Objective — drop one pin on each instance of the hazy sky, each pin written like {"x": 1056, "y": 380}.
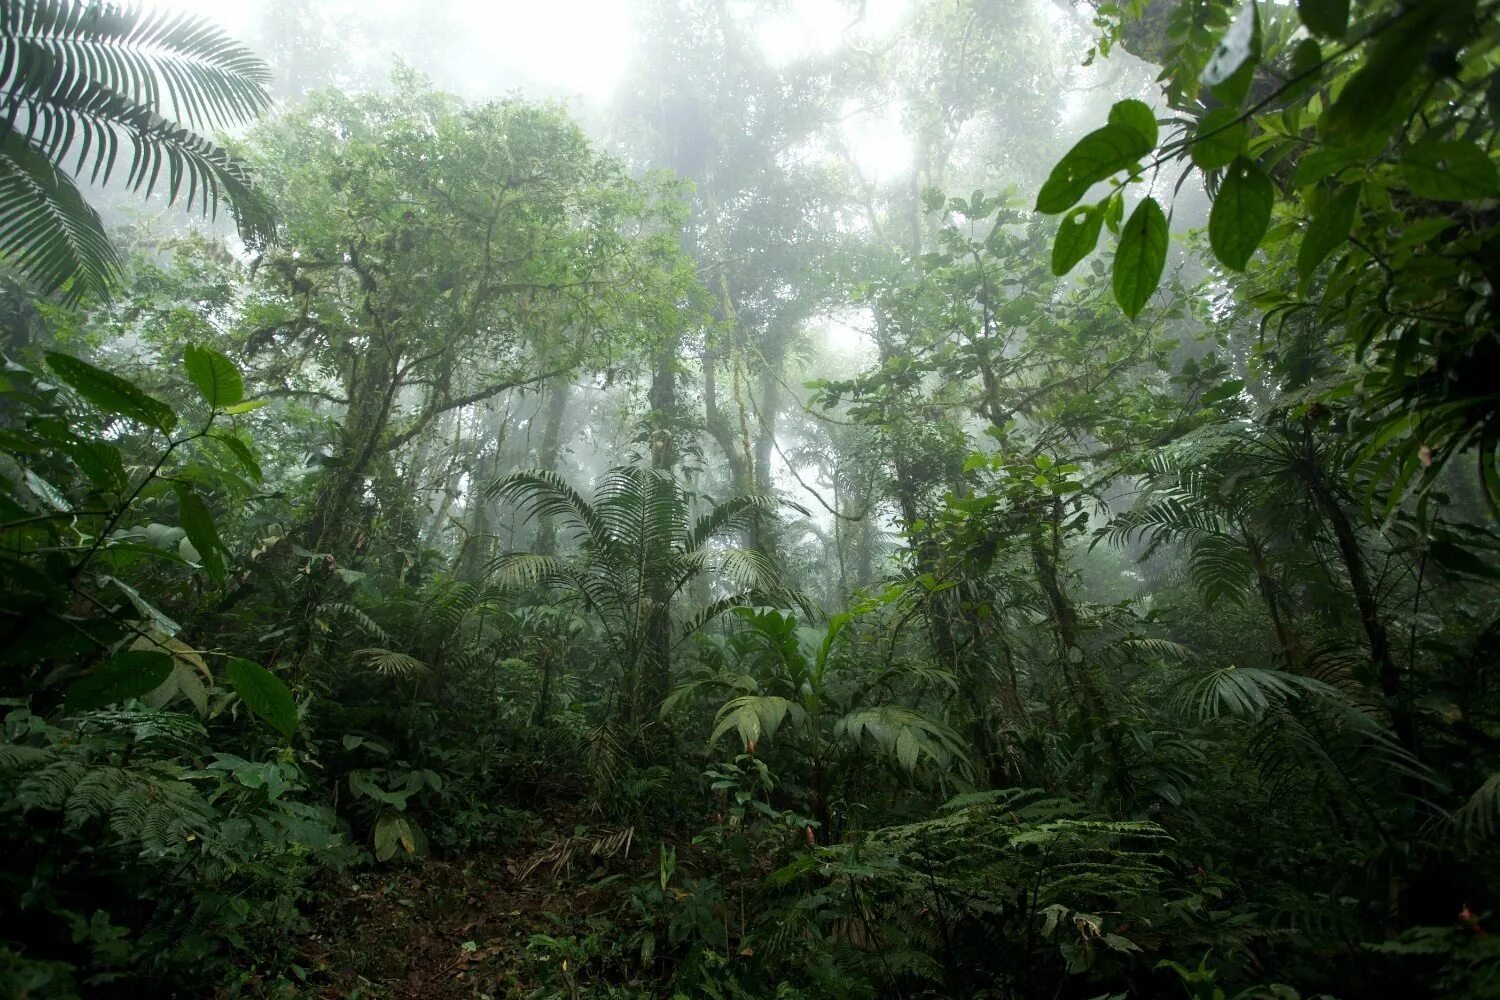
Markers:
{"x": 582, "y": 46}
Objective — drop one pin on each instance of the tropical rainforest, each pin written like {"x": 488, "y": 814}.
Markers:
{"x": 750, "y": 498}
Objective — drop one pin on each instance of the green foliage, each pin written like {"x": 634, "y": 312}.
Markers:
{"x": 81, "y": 81}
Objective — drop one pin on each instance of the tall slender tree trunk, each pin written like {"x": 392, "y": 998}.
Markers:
{"x": 548, "y": 452}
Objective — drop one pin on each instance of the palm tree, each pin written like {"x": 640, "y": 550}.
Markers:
{"x": 638, "y": 550}
{"x": 79, "y": 81}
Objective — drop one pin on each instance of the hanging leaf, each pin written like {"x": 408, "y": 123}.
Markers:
{"x": 1136, "y": 115}
{"x": 1236, "y": 47}
{"x": 1449, "y": 171}
{"x": 217, "y": 378}
{"x": 1077, "y": 236}
{"x": 198, "y": 522}
{"x": 143, "y": 607}
{"x": 1220, "y": 138}
{"x": 241, "y": 453}
{"x": 1241, "y": 213}
{"x": 1141, "y": 256}
{"x": 111, "y": 393}
{"x": 1326, "y": 233}
{"x": 1096, "y": 157}
{"x": 263, "y": 693}
{"x": 1307, "y": 64}
{"x": 130, "y": 674}
{"x": 1329, "y": 18}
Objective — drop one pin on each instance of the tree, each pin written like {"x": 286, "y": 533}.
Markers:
{"x": 80, "y": 81}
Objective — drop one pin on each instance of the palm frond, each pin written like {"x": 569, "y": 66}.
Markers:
{"x": 543, "y": 493}
{"x": 1245, "y": 693}
{"x": 1480, "y": 815}
{"x": 47, "y": 230}
{"x": 390, "y": 663}
{"x": 908, "y": 736}
{"x": 181, "y": 64}
{"x": 735, "y": 514}
{"x": 88, "y": 79}
{"x": 755, "y": 716}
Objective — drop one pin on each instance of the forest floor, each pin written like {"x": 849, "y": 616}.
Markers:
{"x": 461, "y": 928}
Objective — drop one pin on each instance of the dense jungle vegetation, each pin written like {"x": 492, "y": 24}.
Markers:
{"x": 946, "y": 498}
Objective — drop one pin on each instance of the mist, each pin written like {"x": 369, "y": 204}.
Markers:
{"x": 749, "y": 498}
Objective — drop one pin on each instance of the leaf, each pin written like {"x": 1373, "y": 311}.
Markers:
{"x": 1329, "y": 18}
{"x": 1237, "y": 46}
{"x": 1137, "y": 115}
{"x": 386, "y": 835}
{"x": 198, "y": 522}
{"x": 1241, "y": 213}
{"x": 217, "y": 378}
{"x": 1220, "y": 138}
{"x": 129, "y": 674}
{"x": 1141, "y": 256}
{"x": 247, "y": 406}
{"x": 1449, "y": 171}
{"x": 263, "y": 693}
{"x": 1307, "y": 63}
{"x": 1326, "y": 233}
{"x": 1077, "y": 235}
{"x": 1370, "y": 103}
{"x": 143, "y": 607}
{"x": 111, "y": 393}
{"x": 242, "y": 454}
{"x": 183, "y": 680}
{"x": 1095, "y": 157}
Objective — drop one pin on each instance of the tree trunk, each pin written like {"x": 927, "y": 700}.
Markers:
{"x": 548, "y": 453}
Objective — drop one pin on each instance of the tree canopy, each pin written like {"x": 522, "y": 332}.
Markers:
{"x": 944, "y": 499}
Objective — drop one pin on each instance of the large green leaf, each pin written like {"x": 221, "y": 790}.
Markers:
{"x": 198, "y": 522}
{"x": 1137, "y": 115}
{"x": 1220, "y": 137}
{"x": 1097, "y": 156}
{"x": 263, "y": 693}
{"x": 1141, "y": 257}
{"x": 1077, "y": 236}
{"x": 1241, "y": 213}
{"x": 1327, "y": 232}
{"x": 1450, "y": 171}
{"x": 129, "y": 674}
{"x": 217, "y": 378}
{"x": 111, "y": 393}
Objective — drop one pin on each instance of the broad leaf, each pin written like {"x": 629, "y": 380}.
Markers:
{"x": 1236, "y": 47}
{"x": 217, "y": 378}
{"x": 1241, "y": 213}
{"x": 1096, "y": 157}
{"x": 1326, "y": 233}
{"x": 1450, "y": 171}
{"x": 111, "y": 393}
{"x": 1136, "y": 115}
{"x": 1077, "y": 236}
{"x": 198, "y": 522}
{"x": 263, "y": 693}
{"x": 129, "y": 674}
{"x": 1220, "y": 138}
{"x": 1141, "y": 256}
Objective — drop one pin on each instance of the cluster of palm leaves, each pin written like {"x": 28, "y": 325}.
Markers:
{"x": 639, "y": 549}
{"x": 82, "y": 82}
